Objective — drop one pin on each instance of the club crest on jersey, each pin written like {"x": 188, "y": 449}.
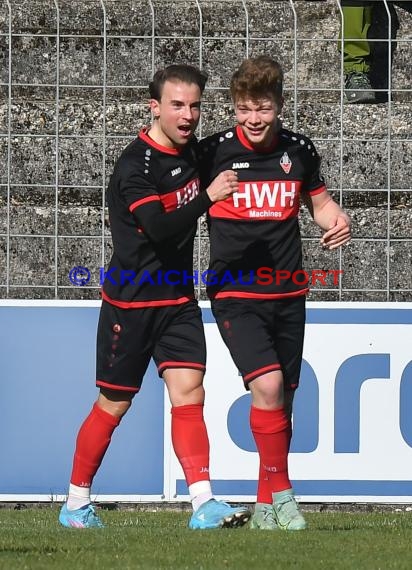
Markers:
{"x": 285, "y": 163}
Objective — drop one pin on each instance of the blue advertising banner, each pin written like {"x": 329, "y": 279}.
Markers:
{"x": 47, "y": 388}
{"x": 352, "y": 423}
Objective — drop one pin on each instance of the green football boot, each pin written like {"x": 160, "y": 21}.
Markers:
{"x": 263, "y": 518}
{"x": 286, "y": 511}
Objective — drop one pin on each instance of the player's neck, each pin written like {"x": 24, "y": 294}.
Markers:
{"x": 159, "y": 137}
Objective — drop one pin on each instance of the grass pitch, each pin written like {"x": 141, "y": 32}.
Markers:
{"x": 32, "y": 539}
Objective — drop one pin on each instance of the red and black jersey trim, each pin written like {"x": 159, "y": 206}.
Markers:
{"x": 171, "y": 364}
{"x": 253, "y": 295}
{"x": 260, "y": 371}
{"x": 154, "y": 198}
{"x": 243, "y": 140}
{"x": 146, "y": 304}
{"x": 148, "y": 140}
{"x": 103, "y": 384}
{"x": 316, "y": 191}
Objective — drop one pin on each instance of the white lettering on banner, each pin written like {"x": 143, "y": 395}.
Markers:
{"x": 187, "y": 193}
{"x": 265, "y": 194}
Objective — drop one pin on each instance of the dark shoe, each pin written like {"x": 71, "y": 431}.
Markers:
{"x": 358, "y": 89}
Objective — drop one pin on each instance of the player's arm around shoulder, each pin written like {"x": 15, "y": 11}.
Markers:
{"x": 331, "y": 218}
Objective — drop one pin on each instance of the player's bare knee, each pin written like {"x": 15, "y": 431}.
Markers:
{"x": 186, "y": 395}
{"x": 267, "y": 391}
{"x": 185, "y": 386}
{"x": 115, "y": 402}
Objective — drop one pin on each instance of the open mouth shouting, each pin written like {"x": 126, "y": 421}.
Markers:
{"x": 185, "y": 131}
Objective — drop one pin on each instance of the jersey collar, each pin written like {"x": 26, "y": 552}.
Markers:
{"x": 148, "y": 140}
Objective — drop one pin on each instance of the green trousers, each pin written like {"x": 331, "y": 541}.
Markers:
{"x": 356, "y": 48}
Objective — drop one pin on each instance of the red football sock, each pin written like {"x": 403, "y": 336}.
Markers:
{"x": 264, "y": 489}
{"x": 92, "y": 442}
{"x": 271, "y": 430}
{"x": 191, "y": 442}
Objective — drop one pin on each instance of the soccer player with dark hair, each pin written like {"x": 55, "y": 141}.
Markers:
{"x": 154, "y": 202}
{"x": 254, "y": 235}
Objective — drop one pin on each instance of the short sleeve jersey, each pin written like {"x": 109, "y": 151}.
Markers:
{"x": 255, "y": 244}
{"x": 137, "y": 274}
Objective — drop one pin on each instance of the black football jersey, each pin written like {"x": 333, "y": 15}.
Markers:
{"x": 255, "y": 244}
{"x": 143, "y": 273}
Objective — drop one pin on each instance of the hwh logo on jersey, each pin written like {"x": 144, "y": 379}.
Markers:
{"x": 187, "y": 193}
{"x": 265, "y": 195}
{"x": 176, "y": 171}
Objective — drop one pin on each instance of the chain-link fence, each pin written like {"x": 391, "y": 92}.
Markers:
{"x": 73, "y": 93}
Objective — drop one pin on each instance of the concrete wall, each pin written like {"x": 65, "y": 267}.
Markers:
{"x": 78, "y": 94}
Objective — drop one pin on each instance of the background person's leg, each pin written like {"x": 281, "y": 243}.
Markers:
{"x": 379, "y": 70}
{"x": 356, "y": 57}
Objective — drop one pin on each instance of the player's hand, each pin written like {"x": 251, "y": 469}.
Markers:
{"x": 338, "y": 234}
{"x": 223, "y": 186}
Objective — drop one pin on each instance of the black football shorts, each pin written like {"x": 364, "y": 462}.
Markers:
{"x": 128, "y": 338}
{"x": 263, "y": 335}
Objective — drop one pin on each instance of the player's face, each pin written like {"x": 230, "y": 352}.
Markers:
{"x": 177, "y": 113}
{"x": 258, "y": 119}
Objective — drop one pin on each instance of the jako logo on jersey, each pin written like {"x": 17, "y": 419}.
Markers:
{"x": 176, "y": 171}
{"x": 265, "y": 194}
{"x": 187, "y": 193}
{"x": 238, "y": 165}
{"x": 285, "y": 163}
